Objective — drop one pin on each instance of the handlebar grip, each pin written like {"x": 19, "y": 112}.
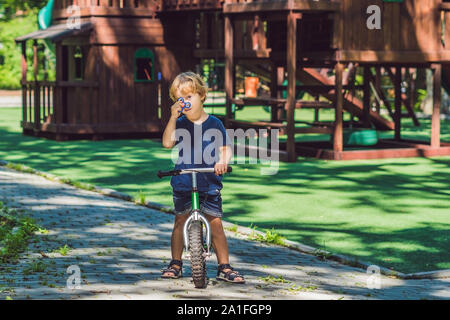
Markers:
{"x": 229, "y": 169}
{"x": 167, "y": 173}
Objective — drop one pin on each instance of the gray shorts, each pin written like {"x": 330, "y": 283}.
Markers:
{"x": 210, "y": 203}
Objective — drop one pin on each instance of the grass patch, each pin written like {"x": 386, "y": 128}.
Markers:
{"x": 15, "y": 233}
{"x": 63, "y": 250}
{"x": 273, "y": 280}
{"x": 35, "y": 267}
{"x": 296, "y": 288}
{"x": 232, "y": 228}
{"x": 140, "y": 199}
{"x": 269, "y": 237}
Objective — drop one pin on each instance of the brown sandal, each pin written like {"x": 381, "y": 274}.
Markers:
{"x": 228, "y": 276}
{"x": 177, "y": 273}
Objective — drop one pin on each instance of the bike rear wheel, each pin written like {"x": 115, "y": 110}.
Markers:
{"x": 197, "y": 253}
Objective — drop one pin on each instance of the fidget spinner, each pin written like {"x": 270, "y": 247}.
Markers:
{"x": 187, "y": 105}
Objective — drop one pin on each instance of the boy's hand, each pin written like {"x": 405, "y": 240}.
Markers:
{"x": 176, "y": 109}
{"x": 220, "y": 168}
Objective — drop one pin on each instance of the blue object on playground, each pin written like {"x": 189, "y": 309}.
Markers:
{"x": 360, "y": 137}
{"x": 187, "y": 105}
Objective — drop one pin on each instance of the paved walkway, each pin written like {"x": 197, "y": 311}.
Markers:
{"x": 120, "y": 247}
{"x": 10, "y": 98}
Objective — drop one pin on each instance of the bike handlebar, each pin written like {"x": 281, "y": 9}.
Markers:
{"x": 185, "y": 171}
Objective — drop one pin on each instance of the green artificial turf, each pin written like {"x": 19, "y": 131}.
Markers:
{"x": 390, "y": 212}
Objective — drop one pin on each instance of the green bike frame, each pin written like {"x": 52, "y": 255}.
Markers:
{"x": 196, "y": 216}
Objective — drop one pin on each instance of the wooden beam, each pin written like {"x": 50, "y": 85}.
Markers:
{"x": 291, "y": 59}
{"x": 398, "y": 102}
{"x": 377, "y": 84}
{"x": 229, "y": 67}
{"x": 389, "y": 149}
{"x": 435, "y": 119}
{"x": 24, "y": 61}
{"x": 58, "y": 93}
{"x": 321, "y": 130}
{"x": 274, "y": 91}
{"x": 24, "y": 80}
{"x": 366, "y": 97}
{"x": 338, "y": 144}
{"x": 258, "y": 124}
{"x": 281, "y": 113}
{"x": 383, "y": 57}
{"x": 37, "y": 94}
{"x": 286, "y": 5}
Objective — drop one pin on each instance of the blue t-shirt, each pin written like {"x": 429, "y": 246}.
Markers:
{"x": 198, "y": 147}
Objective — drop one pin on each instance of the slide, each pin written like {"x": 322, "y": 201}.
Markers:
{"x": 310, "y": 76}
{"x": 45, "y": 21}
{"x": 45, "y": 15}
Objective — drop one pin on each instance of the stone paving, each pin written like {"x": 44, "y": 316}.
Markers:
{"x": 120, "y": 248}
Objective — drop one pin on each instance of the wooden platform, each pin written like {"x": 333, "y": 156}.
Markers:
{"x": 386, "y": 148}
{"x": 237, "y": 7}
{"x": 81, "y": 129}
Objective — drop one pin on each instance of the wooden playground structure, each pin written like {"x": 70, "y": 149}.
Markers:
{"x": 113, "y": 72}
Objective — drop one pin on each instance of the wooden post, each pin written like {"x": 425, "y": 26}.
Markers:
{"x": 203, "y": 31}
{"x": 24, "y": 80}
{"x": 57, "y": 91}
{"x": 37, "y": 90}
{"x": 280, "y": 79}
{"x": 229, "y": 67}
{"x": 35, "y": 60}
{"x": 291, "y": 71}
{"x": 366, "y": 102}
{"x": 398, "y": 102}
{"x": 378, "y": 85}
{"x": 316, "y": 110}
{"x": 339, "y": 105}
{"x": 436, "y": 117}
{"x": 412, "y": 93}
{"x": 256, "y": 33}
{"x": 274, "y": 92}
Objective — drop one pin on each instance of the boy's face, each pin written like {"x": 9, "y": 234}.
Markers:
{"x": 196, "y": 109}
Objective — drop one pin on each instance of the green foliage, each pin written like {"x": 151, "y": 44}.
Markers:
{"x": 14, "y": 234}
{"x": 20, "y": 167}
{"x": 270, "y": 237}
{"x": 140, "y": 198}
{"x": 34, "y": 267}
{"x": 63, "y": 250}
{"x": 232, "y": 228}
{"x": 273, "y": 280}
{"x": 295, "y": 288}
{"x": 9, "y": 8}
{"x": 11, "y": 54}
{"x": 421, "y": 95}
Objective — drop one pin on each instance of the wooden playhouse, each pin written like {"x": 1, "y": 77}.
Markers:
{"x": 113, "y": 72}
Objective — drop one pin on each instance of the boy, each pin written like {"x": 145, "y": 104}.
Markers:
{"x": 195, "y": 120}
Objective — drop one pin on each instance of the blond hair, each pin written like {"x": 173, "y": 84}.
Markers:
{"x": 188, "y": 82}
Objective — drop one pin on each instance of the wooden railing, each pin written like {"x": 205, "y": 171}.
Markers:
{"x": 43, "y": 100}
{"x": 87, "y": 8}
{"x": 174, "y": 5}
{"x": 38, "y": 102}
{"x": 63, "y": 4}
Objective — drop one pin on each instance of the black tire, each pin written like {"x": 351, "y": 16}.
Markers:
{"x": 196, "y": 250}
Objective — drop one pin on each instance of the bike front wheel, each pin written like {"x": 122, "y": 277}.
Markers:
{"x": 197, "y": 253}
